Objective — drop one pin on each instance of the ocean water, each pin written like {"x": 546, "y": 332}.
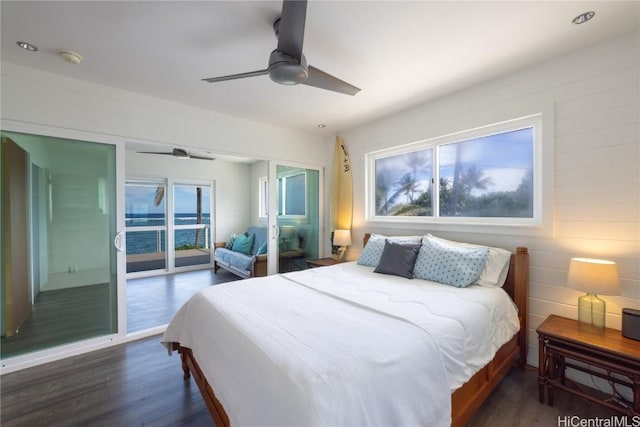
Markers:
{"x": 142, "y": 242}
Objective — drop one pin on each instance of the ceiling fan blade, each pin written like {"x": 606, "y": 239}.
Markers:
{"x": 193, "y": 156}
{"x": 291, "y": 27}
{"x": 237, "y": 76}
{"x": 318, "y": 78}
{"x": 155, "y": 152}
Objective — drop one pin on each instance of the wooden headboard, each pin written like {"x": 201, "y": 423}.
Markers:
{"x": 517, "y": 286}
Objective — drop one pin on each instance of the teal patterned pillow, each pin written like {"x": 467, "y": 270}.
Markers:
{"x": 230, "y": 241}
{"x": 456, "y": 266}
{"x": 370, "y": 255}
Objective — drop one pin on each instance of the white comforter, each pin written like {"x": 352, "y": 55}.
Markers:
{"x": 341, "y": 346}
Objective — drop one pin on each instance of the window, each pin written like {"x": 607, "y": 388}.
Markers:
{"x": 403, "y": 184}
{"x": 292, "y": 194}
{"x": 263, "y": 197}
{"x": 484, "y": 176}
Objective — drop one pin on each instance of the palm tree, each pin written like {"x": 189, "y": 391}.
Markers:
{"x": 159, "y": 196}
{"x": 157, "y": 199}
{"x": 198, "y": 213}
{"x": 382, "y": 189}
{"x": 408, "y": 186}
{"x": 473, "y": 179}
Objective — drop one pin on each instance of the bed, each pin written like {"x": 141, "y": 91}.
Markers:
{"x": 283, "y": 355}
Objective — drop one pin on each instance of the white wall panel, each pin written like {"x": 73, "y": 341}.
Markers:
{"x": 596, "y": 166}
{"x": 33, "y": 96}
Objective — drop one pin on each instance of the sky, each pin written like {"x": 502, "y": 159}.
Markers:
{"x": 139, "y": 199}
{"x": 505, "y": 158}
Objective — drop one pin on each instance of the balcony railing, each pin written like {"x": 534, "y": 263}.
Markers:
{"x": 147, "y": 251}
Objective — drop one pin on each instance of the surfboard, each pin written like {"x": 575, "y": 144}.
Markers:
{"x": 341, "y": 190}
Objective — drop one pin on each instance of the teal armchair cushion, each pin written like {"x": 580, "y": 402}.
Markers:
{"x": 243, "y": 244}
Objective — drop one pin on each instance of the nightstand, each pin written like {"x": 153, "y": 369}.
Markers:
{"x": 322, "y": 262}
{"x": 603, "y": 353}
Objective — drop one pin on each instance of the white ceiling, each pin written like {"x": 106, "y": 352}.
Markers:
{"x": 399, "y": 53}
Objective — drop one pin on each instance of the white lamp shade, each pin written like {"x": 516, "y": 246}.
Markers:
{"x": 287, "y": 231}
{"x": 342, "y": 238}
{"x": 594, "y": 276}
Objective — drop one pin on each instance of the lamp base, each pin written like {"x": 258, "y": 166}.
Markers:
{"x": 339, "y": 255}
{"x": 592, "y": 310}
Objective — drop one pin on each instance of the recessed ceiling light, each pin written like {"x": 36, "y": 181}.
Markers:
{"x": 322, "y": 125}
{"x": 583, "y": 17}
{"x": 27, "y": 46}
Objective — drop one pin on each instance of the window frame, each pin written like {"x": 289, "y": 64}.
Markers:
{"x": 263, "y": 197}
{"x": 282, "y": 198}
{"x": 540, "y": 223}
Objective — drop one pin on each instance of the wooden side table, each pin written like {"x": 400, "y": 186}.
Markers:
{"x": 322, "y": 262}
{"x": 604, "y": 353}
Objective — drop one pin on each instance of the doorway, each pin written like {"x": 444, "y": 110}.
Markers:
{"x": 295, "y": 230}
{"x": 69, "y": 273}
{"x": 169, "y": 237}
{"x": 168, "y": 231}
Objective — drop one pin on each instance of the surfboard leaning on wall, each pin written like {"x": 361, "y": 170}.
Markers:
{"x": 341, "y": 190}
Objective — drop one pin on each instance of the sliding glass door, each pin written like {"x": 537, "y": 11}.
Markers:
{"x": 294, "y": 220}
{"x": 192, "y": 224}
{"x": 60, "y": 265}
{"x": 146, "y": 226}
{"x": 158, "y": 246}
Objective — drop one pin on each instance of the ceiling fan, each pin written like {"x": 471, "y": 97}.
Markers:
{"x": 287, "y": 64}
{"x": 179, "y": 153}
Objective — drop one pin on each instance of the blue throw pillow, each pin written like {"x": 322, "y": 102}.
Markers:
{"x": 262, "y": 249}
{"x": 370, "y": 255}
{"x": 456, "y": 266}
{"x": 243, "y": 244}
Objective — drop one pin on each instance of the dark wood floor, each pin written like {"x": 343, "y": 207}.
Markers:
{"x": 139, "y": 384}
{"x": 67, "y": 315}
{"x": 152, "y": 301}
{"x": 63, "y": 316}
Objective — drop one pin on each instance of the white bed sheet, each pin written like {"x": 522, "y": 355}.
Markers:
{"x": 341, "y": 345}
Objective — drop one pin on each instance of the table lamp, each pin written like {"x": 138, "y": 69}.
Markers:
{"x": 287, "y": 235}
{"x": 342, "y": 239}
{"x": 594, "y": 276}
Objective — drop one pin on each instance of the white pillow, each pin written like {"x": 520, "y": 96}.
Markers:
{"x": 495, "y": 272}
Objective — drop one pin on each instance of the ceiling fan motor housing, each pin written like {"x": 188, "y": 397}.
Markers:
{"x": 287, "y": 64}
{"x": 286, "y": 70}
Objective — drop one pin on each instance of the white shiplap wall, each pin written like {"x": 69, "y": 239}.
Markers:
{"x": 594, "y": 94}
{"x": 36, "y": 97}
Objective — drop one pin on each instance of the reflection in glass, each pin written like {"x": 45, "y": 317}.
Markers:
{"x": 403, "y": 184}
{"x": 491, "y": 176}
{"x": 298, "y": 216}
{"x": 64, "y": 288}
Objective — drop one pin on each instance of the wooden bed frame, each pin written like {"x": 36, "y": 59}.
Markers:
{"x": 467, "y": 399}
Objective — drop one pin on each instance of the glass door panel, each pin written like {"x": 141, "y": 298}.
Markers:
{"x": 146, "y": 226}
{"x": 68, "y": 216}
{"x": 298, "y": 216}
{"x": 192, "y": 224}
